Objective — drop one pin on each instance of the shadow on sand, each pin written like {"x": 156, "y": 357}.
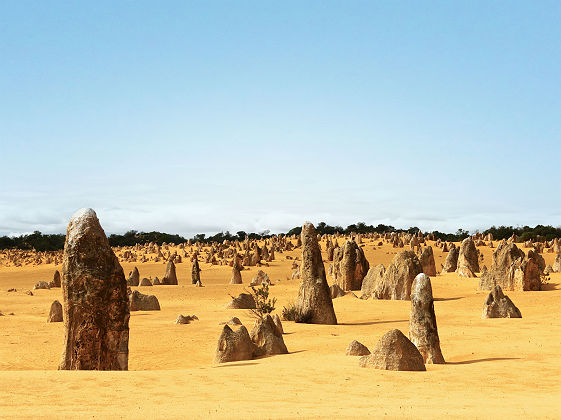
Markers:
{"x": 446, "y": 299}
{"x": 372, "y": 322}
{"x": 235, "y": 364}
{"x": 550, "y": 286}
{"x": 489, "y": 359}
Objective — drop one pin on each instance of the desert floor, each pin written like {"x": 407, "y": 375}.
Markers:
{"x": 496, "y": 368}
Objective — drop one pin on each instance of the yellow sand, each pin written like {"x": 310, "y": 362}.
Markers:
{"x": 497, "y": 368}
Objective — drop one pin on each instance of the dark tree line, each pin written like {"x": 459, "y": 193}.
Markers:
{"x": 52, "y": 242}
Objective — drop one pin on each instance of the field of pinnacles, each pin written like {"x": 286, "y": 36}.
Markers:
{"x": 480, "y": 359}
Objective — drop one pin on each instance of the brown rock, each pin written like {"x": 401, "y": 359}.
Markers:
{"x": 427, "y": 261}
{"x": 236, "y": 271}
{"x": 186, "y": 319}
{"x": 422, "y": 324}
{"x": 134, "y": 278}
{"x": 260, "y": 278}
{"x": 451, "y": 262}
{"x": 497, "y": 305}
{"x": 336, "y": 291}
{"x": 267, "y": 338}
{"x": 513, "y": 270}
{"x": 468, "y": 257}
{"x": 349, "y": 266}
{"x": 278, "y": 324}
{"x": 234, "y": 345}
{"x": 557, "y": 264}
{"x": 314, "y": 304}
{"x": 55, "y": 314}
{"x": 374, "y": 276}
{"x": 96, "y": 310}
{"x": 170, "y": 278}
{"x": 195, "y": 272}
{"x": 41, "y": 285}
{"x": 398, "y": 278}
{"x": 56, "y": 280}
{"x": 243, "y": 301}
{"x": 357, "y": 349}
{"x": 141, "y": 302}
{"x": 145, "y": 282}
{"x": 394, "y": 351}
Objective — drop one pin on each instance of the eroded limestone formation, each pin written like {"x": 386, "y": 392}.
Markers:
{"x": 96, "y": 309}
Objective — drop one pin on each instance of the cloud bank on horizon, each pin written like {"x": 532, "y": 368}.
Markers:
{"x": 198, "y": 118}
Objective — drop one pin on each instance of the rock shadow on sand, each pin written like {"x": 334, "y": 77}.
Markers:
{"x": 373, "y": 322}
{"x": 489, "y": 359}
{"x": 447, "y": 299}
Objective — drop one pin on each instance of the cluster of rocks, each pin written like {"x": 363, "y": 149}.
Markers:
{"x": 236, "y": 343}
{"x": 394, "y": 282}
{"x": 394, "y": 351}
{"x": 512, "y": 269}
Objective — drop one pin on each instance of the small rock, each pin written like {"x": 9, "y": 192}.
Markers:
{"x": 186, "y": 319}
{"x": 357, "y": 349}
{"x": 41, "y": 285}
{"x": 145, "y": 282}
{"x": 394, "y": 351}
{"x": 498, "y": 305}
{"x": 55, "y": 314}
{"x": 142, "y": 302}
{"x": 243, "y": 301}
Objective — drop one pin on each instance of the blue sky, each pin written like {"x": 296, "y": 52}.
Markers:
{"x": 202, "y": 116}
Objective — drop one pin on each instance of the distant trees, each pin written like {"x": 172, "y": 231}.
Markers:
{"x": 132, "y": 237}
{"x": 52, "y": 242}
{"x": 525, "y": 233}
{"x": 36, "y": 240}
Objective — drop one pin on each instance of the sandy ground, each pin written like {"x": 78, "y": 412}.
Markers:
{"x": 497, "y": 368}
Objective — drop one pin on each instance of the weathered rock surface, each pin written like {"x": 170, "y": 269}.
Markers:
{"x": 260, "y": 278}
{"x": 374, "y": 276}
{"x": 357, "y": 349}
{"x": 451, "y": 262}
{"x": 266, "y": 336}
{"x": 243, "y": 301}
{"x": 134, "y": 278}
{"x": 55, "y": 313}
{"x": 195, "y": 272}
{"x": 170, "y": 278}
{"x": 349, "y": 266}
{"x": 41, "y": 285}
{"x": 513, "y": 270}
{"x": 145, "y": 282}
{"x": 186, "y": 319}
{"x": 56, "y": 280}
{"x": 557, "y": 264}
{"x": 232, "y": 321}
{"x": 314, "y": 304}
{"x": 96, "y": 309}
{"x": 278, "y": 324}
{"x": 427, "y": 261}
{"x": 394, "y": 351}
{"x": 236, "y": 272}
{"x": 423, "y": 331}
{"x": 468, "y": 258}
{"x": 336, "y": 291}
{"x": 234, "y": 345}
{"x": 498, "y": 305}
{"x": 141, "y": 302}
{"x": 398, "y": 278}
